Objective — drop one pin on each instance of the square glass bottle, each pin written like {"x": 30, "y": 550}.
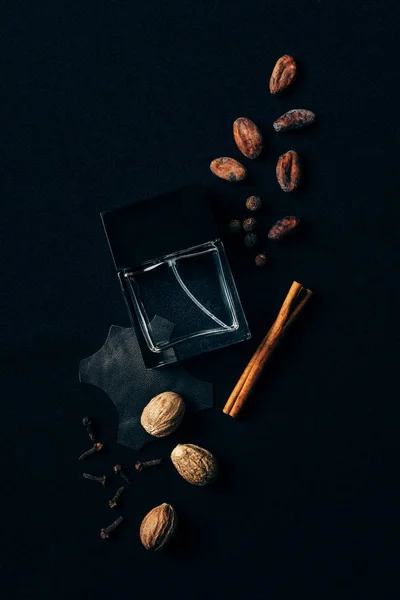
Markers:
{"x": 175, "y": 276}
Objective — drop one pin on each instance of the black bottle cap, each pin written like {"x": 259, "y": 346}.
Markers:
{"x": 149, "y": 229}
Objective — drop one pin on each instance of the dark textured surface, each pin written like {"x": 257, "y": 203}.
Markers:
{"x": 105, "y": 102}
{"x": 117, "y": 368}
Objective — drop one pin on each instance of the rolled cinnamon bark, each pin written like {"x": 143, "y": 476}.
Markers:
{"x": 293, "y": 304}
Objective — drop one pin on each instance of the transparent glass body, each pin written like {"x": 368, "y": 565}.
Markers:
{"x": 185, "y": 303}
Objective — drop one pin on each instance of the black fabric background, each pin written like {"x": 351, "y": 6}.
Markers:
{"x": 105, "y": 102}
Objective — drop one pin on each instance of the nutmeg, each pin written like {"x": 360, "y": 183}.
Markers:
{"x": 163, "y": 414}
{"x": 158, "y": 526}
{"x": 195, "y": 464}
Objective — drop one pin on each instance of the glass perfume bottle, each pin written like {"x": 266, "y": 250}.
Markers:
{"x": 183, "y": 302}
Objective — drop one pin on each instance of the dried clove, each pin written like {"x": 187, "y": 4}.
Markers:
{"x": 118, "y": 470}
{"x": 114, "y": 501}
{"x": 101, "y": 480}
{"x": 96, "y": 448}
{"x": 149, "y": 463}
{"x": 87, "y": 423}
{"x": 107, "y": 531}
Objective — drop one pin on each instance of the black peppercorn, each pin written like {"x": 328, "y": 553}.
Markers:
{"x": 250, "y": 239}
{"x": 235, "y": 226}
{"x": 261, "y": 259}
{"x": 253, "y": 203}
{"x": 249, "y": 225}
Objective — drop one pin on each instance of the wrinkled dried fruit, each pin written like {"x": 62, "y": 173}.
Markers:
{"x": 283, "y": 227}
{"x": 228, "y": 169}
{"x": 294, "y": 119}
{"x": 283, "y": 74}
{"x": 158, "y": 526}
{"x": 288, "y": 171}
{"x": 195, "y": 464}
{"x": 247, "y": 137}
{"x": 162, "y": 415}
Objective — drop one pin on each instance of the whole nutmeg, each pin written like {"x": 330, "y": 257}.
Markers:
{"x": 163, "y": 414}
{"x": 158, "y": 526}
{"x": 250, "y": 240}
{"x": 253, "y": 203}
{"x": 195, "y": 464}
{"x": 249, "y": 225}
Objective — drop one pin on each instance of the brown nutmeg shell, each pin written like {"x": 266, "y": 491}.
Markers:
{"x": 162, "y": 415}
{"x": 158, "y": 526}
{"x": 195, "y": 464}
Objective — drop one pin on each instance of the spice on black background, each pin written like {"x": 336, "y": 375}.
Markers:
{"x": 249, "y": 225}
{"x": 253, "y": 203}
{"x": 116, "y": 498}
{"x": 107, "y": 531}
{"x": 235, "y": 226}
{"x": 118, "y": 470}
{"x": 101, "y": 479}
{"x": 149, "y": 463}
{"x": 96, "y": 448}
{"x": 261, "y": 259}
{"x": 250, "y": 240}
{"x": 87, "y": 423}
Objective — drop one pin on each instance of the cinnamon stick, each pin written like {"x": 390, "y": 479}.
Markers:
{"x": 236, "y": 390}
{"x": 293, "y": 304}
